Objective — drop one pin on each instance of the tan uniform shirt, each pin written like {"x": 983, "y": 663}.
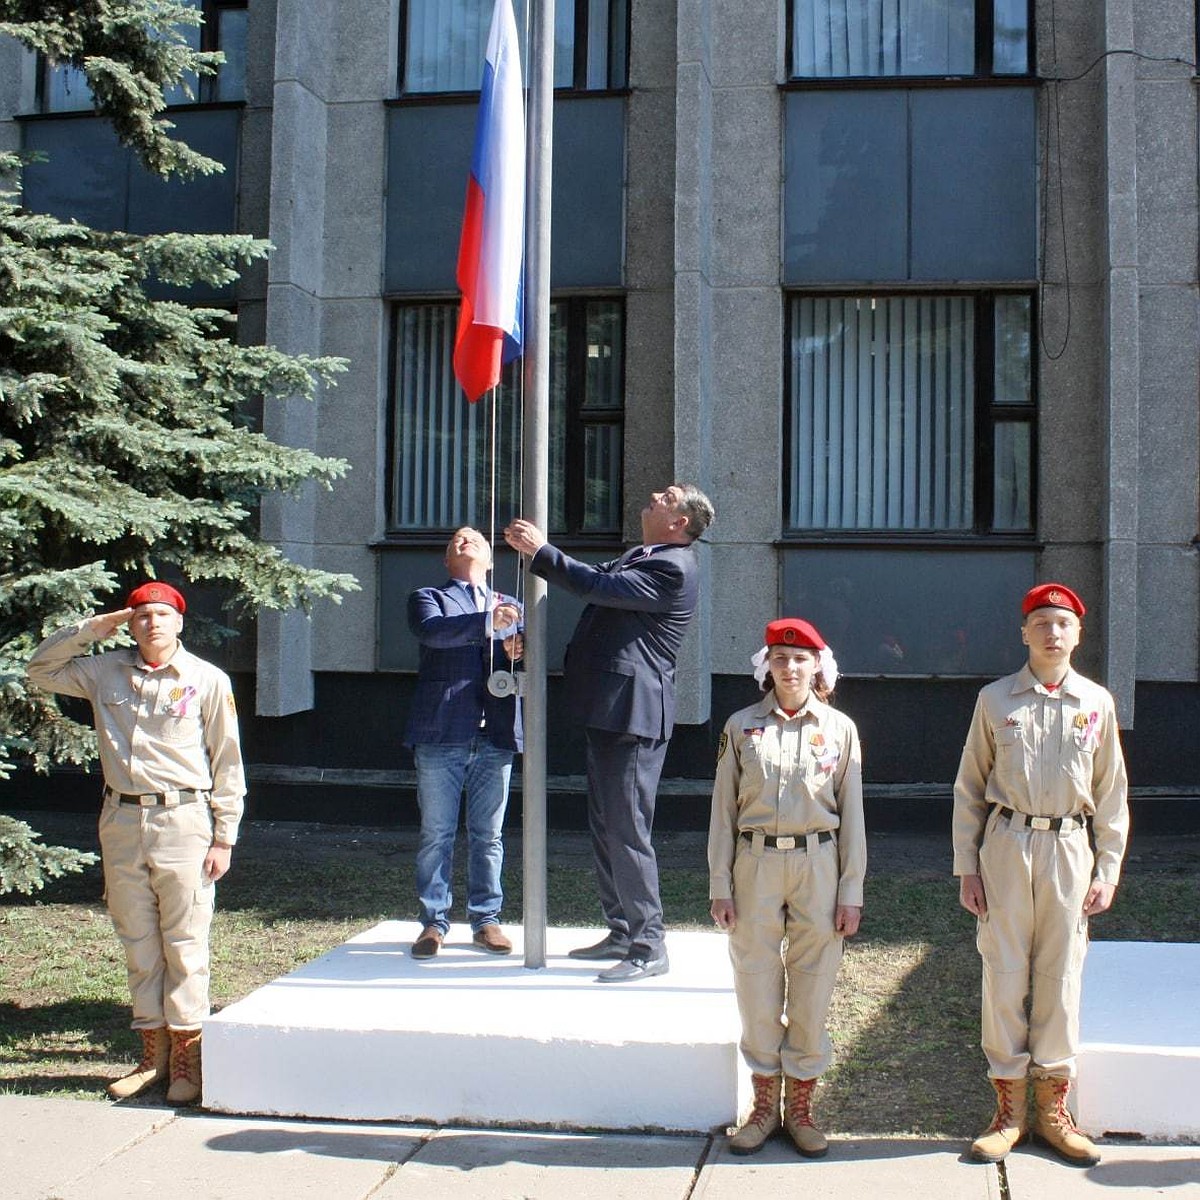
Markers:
{"x": 1047, "y": 754}
{"x": 783, "y": 776}
{"x": 173, "y": 728}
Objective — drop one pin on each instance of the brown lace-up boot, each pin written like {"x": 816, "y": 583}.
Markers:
{"x": 763, "y": 1120}
{"x": 185, "y": 1067}
{"x": 1054, "y": 1126}
{"x": 1009, "y": 1126}
{"x": 797, "y": 1117}
{"x": 156, "y": 1051}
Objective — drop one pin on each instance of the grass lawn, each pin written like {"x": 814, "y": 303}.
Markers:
{"x": 905, "y": 1019}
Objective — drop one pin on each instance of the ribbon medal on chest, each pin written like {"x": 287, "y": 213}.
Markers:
{"x": 182, "y": 702}
{"x": 1087, "y": 730}
{"x": 826, "y": 756}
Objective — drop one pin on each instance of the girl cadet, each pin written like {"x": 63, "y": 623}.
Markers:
{"x": 787, "y": 855}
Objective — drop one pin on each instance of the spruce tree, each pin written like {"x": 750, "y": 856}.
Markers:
{"x": 128, "y": 447}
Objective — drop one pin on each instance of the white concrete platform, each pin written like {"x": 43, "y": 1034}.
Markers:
{"x": 366, "y": 1032}
{"x": 1139, "y": 1061}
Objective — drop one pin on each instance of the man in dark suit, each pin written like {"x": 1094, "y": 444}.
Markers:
{"x": 620, "y": 677}
{"x": 463, "y": 740}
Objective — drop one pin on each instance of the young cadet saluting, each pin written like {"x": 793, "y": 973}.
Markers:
{"x": 787, "y": 854}
{"x": 1042, "y": 760}
{"x": 173, "y": 790}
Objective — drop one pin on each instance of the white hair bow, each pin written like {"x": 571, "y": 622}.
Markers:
{"x": 759, "y": 662}
{"x": 828, "y": 667}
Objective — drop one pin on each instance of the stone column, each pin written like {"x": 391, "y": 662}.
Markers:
{"x": 299, "y": 153}
{"x": 1120, "y": 398}
{"x": 693, "y": 342}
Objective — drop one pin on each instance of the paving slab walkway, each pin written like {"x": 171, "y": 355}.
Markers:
{"x": 53, "y": 1149}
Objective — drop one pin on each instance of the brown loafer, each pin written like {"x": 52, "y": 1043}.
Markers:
{"x": 491, "y": 938}
{"x": 429, "y": 943}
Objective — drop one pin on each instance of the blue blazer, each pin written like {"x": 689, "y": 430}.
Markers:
{"x": 452, "y": 696}
{"x": 620, "y": 662}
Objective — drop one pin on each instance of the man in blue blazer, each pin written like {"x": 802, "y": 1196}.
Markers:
{"x": 463, "y": 740}
{"x": 620, "y": 678}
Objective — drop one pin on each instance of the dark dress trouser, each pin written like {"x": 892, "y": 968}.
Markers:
{"x": 623, "y": 772}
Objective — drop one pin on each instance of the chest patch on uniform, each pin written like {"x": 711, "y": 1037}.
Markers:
{"x": 756, "y": 731}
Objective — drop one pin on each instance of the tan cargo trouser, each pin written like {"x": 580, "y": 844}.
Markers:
{"x": 160, "y": 906}
{"x": 792, "y": 895}
{"x": 1033, "y": 941}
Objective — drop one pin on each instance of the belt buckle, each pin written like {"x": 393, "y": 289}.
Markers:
{"x": 785, "y": 843}
{"x": 1039, "y": 822}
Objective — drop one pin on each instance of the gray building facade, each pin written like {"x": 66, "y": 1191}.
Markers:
{"x": 910, "y": 289}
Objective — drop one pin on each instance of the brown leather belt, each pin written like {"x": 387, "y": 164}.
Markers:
{"x": 1074, "y": 821}
{"x": 792, "y": 842}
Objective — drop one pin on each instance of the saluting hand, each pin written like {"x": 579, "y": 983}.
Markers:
{"x": 104, "y": 625}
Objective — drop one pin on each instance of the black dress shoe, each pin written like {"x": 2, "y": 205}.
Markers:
{"x": 631, "y": 968}
{"x": 610, "y": 947}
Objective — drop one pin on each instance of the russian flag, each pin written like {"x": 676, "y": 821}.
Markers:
{"x": 493, "y": 233}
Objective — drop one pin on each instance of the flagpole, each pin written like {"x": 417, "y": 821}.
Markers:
{"x": 536, "y": 434}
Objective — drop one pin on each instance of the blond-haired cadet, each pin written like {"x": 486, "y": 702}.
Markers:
{"x": 173, "y": 795}
{"x": 1041, "y": 764}
{"x": 786, "y": 856}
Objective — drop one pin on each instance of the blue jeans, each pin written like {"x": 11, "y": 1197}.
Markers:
{"x": 444, "y": 773}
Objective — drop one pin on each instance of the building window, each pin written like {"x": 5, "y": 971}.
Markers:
{"x": 444, "y": 42}
{"x": 856, "y": 39}
{"x": 65, "y": 88}
{"x": 910, "y": 413}
{"x": 441, "y": 463}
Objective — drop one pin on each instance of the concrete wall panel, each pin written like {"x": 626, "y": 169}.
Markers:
{"x": 746, "y": 459}
{"x": 1168, "y": 416}
{"x": 745, "y": 590}
{"x": 1071, "y": 464}
{"x": 352, "y": 249}
{"x": 343, "y": 635}
{"x": 350, "y": 417}
{"x": 1168, "y": 588}
{"x": 746, "y": 36}
{"x": 1166, "y": 181}
{"x": 362, "y": 53}
{"x": 745, "y": 185}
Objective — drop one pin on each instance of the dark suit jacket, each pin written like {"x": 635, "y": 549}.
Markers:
{"x": 452, "y": 694}
{"x": 620, "y": 664}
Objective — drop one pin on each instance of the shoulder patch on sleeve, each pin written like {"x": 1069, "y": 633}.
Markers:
{"x": 723, "y": 745}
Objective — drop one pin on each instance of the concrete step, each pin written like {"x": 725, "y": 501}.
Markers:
{"x": 367, "y": 1032}
{"x": 1139, "y": 1061}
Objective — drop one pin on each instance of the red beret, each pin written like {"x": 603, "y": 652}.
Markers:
{"x": 791, "y": 631}
{"x": 1052, "y": 595}
{"x": 156, "y": 593}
